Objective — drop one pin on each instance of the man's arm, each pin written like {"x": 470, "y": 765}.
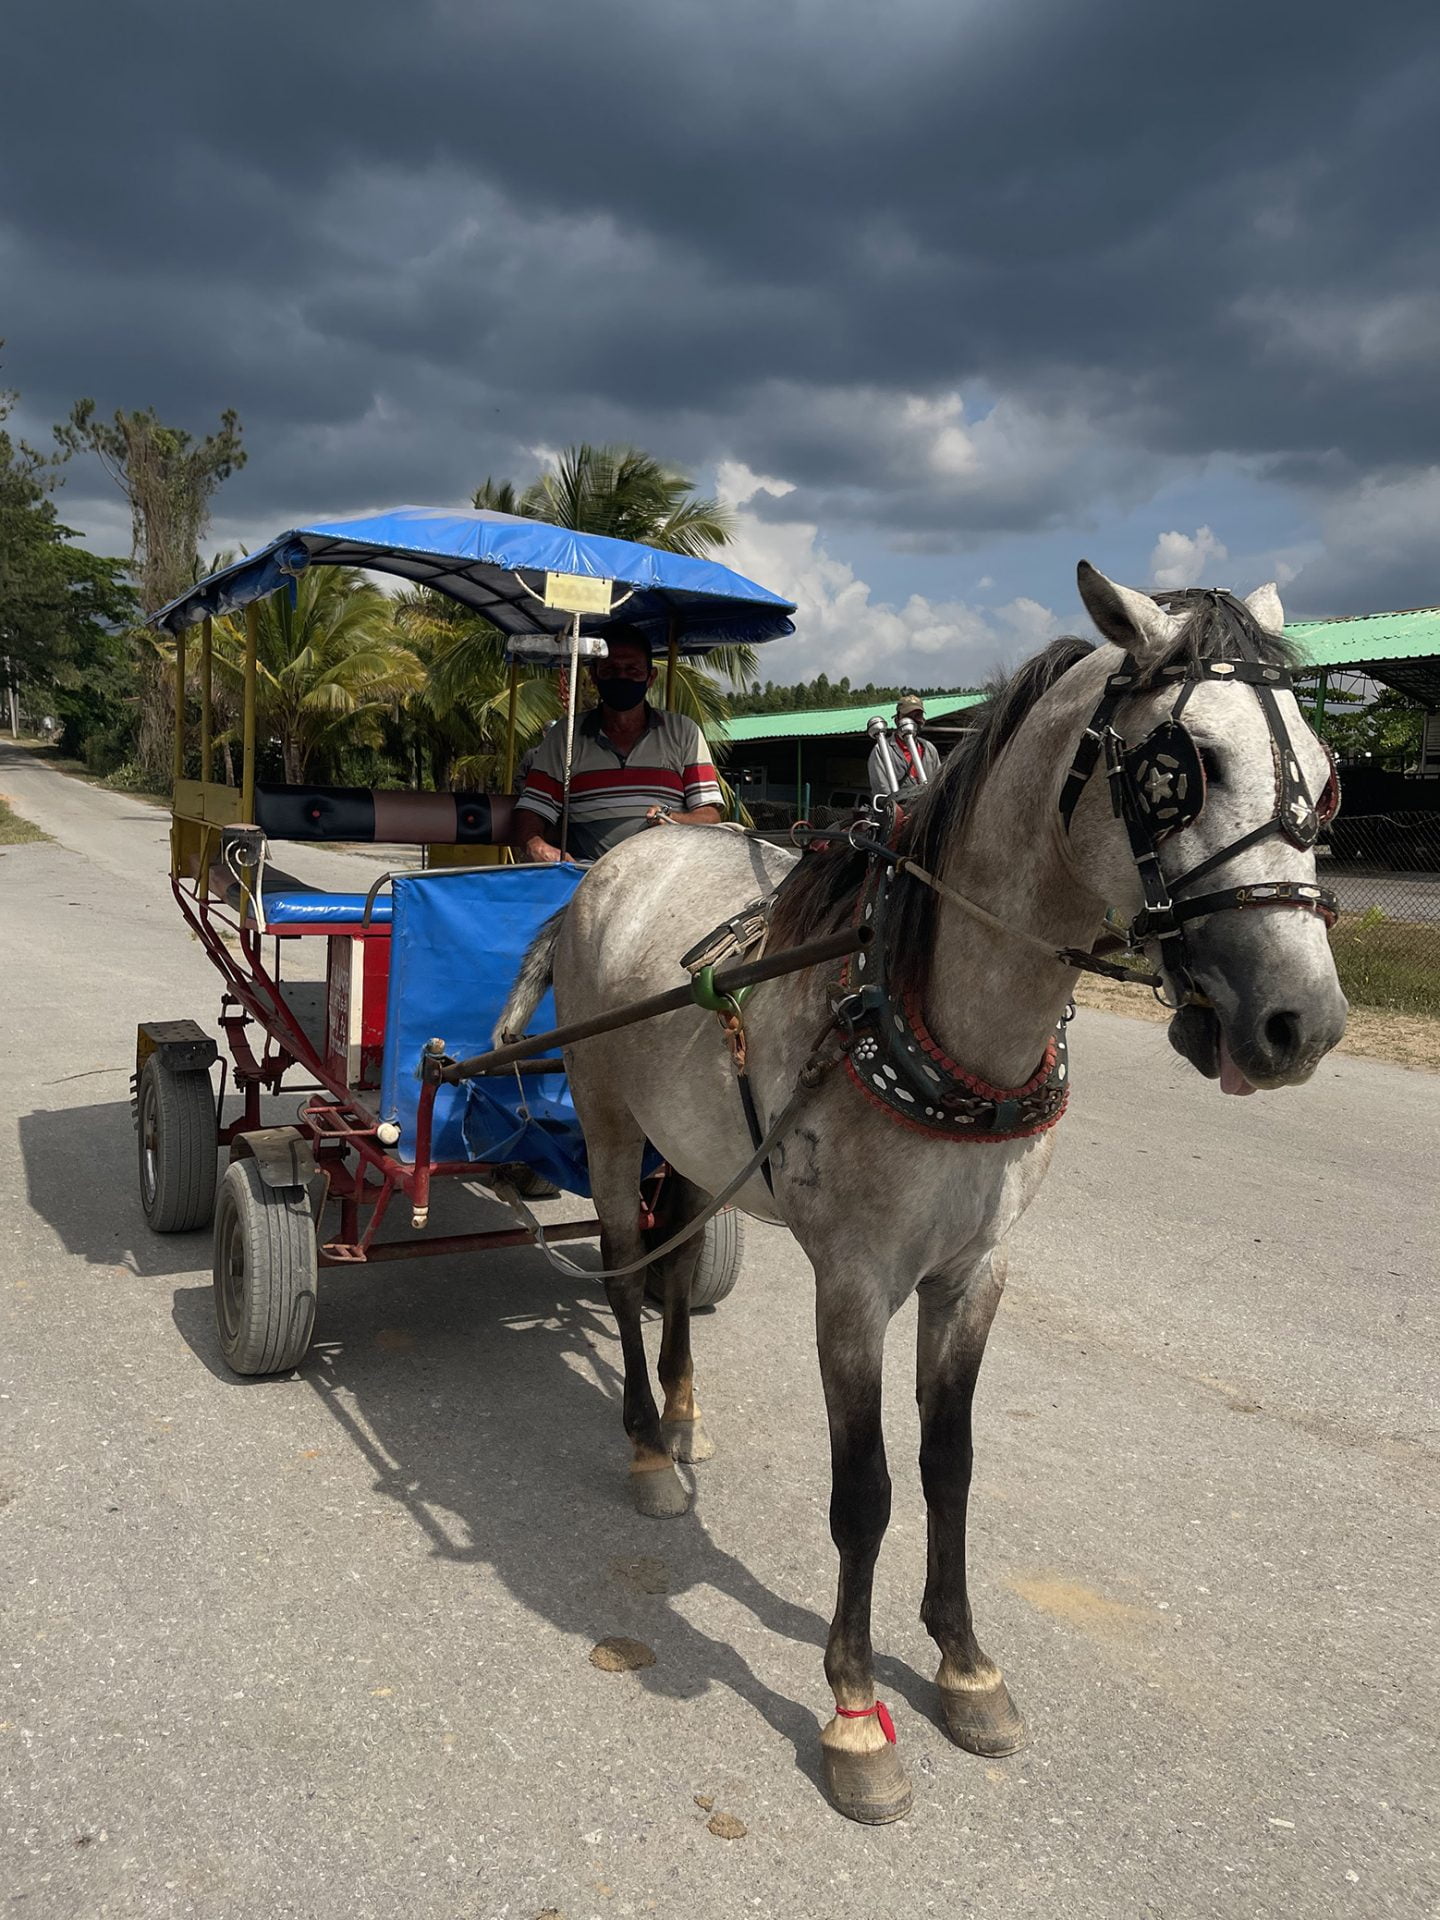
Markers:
{"x": 527, "y": 837}
{"x": 704, "y": 802}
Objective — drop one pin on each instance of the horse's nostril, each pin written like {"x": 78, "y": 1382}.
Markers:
{"x": 1282, "y": 1032}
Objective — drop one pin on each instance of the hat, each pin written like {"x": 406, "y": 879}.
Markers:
{"x": 909, "y": 703}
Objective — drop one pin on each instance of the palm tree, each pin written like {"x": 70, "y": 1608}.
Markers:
{"x": 329, "y": 667}
{"x": 462, "y": 709}
{"x": 628, "y": 494}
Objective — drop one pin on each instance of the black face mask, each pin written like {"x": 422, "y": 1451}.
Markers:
{"x": 622, "y": 695}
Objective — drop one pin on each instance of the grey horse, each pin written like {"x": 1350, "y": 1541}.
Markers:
{"x": 882, "y": 1208}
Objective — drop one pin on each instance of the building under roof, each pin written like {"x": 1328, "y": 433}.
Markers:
{"x": 819, "y": 756}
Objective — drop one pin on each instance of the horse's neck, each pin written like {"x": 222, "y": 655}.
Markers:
{"x": 993, "y": 1001}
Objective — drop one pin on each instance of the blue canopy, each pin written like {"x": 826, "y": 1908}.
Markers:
{"x": 496, "y": 563}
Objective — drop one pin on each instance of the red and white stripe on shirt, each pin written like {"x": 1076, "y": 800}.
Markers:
{"x": 669, "y": 766}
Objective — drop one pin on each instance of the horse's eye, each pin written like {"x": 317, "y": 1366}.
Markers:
{"x": 1210, "y": 762}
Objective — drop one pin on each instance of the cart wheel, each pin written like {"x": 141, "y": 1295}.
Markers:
{"x": 722, "y": 1246}
{"x": 178, "y": 1143}
{"x": 266, "y": 1272}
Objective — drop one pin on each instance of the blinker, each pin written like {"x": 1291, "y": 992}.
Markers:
{"x": 1167, "y": 779}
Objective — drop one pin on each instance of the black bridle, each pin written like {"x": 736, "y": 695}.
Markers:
{"x": 1158, "y": 790}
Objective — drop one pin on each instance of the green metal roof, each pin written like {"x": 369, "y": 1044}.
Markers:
{"x": 819, "y": 722}
{"x": 1369, "y": 636}
{"x": 1400, "y": 650}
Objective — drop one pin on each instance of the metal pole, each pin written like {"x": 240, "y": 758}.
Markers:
{"x": 906, "y": 730}
{"x": 510, "y": 725}
{"x": 14, "y": 702}
{"x": 569, "y": 730}
{"x": 207, "y": 745}
{"x": 247, "y": 771}
{"x": 671, "y": 660}
{"x": 177, "y": 750}
{"x": 1320, "y": 691}
{"x": 814, "y": 953}
{"x": 877, "y": 730}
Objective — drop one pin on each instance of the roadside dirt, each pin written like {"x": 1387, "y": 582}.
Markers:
{"x": 1375, "y": 1033}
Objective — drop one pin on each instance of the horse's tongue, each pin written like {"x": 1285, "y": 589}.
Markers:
{"x": 1232, "y": 1080}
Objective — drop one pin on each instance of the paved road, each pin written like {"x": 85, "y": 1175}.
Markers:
{"x": 318, "y": 1647}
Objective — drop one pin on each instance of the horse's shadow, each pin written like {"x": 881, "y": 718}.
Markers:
{"x": 488, "y": 1407}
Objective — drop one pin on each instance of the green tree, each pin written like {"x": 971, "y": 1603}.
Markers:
{"x": 61, "y": 607}
{"x": 168, "y": 479}
{"x": 461, "y": 711}
{"x": 627, "y": 494}
{"x": 329, "y": 667}
{"x": 1387, "y": 730}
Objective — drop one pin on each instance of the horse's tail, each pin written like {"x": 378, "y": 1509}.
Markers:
{"x": 536, "y": 972}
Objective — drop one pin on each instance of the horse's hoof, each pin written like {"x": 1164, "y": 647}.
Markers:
{"x": 660, "y": 1494}
{"x": 983, "y": 1720}
{"x": 869, "y": 1787}
{"x": 688, "y": 1441}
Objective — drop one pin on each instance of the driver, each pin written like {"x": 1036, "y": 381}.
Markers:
{"x": 633, "y": 766}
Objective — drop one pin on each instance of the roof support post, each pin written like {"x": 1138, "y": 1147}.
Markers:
{"x": 207, "y": 744}
{"x": 672, "y": 659}
{"x": 247, "y": 772}
{"x": 177, "y": 745}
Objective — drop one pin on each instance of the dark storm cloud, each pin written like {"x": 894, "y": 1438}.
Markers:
{"x": 410, "y": 243}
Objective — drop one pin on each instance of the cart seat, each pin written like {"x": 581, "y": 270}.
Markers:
{"x": 328, "y": 910}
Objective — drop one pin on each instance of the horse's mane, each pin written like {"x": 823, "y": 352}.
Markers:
{"x": 819, "y": 895}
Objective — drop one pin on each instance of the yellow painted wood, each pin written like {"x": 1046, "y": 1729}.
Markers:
{"x": 247, "y": 777}
{"x": 207, "y": 714}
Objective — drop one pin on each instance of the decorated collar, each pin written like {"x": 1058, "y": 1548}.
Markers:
{"x": 892, "y": 1058}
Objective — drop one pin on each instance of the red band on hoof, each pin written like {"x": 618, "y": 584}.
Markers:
{"x": 881, "y": 1713}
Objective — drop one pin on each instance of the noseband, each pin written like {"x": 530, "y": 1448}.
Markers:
{"x": 1158, "y": 790}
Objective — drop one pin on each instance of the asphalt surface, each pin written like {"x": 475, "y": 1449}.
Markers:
{"x": 319, "y": 1646}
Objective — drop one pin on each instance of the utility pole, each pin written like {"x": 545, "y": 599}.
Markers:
{"x": 14, "y": 699}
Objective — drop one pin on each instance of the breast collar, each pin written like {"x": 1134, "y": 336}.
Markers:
{"x": 898, "y": 1066}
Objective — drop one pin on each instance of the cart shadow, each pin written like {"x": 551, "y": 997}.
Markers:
{"x": 80, "y": 1177}
{"x": 492, "y": 1416}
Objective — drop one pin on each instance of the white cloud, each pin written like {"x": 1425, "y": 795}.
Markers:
{"x": 1183, "y": 559}
{"x": 841, "y": 628}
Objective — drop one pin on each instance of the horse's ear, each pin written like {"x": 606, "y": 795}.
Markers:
{"x": 1131, "y": 620}
{"x": 1264, "y": 603}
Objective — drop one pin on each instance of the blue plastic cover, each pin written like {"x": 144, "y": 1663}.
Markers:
{"x": 323, "y": 909}
{"x": 457, "y": 940}
{"x": 488, "y": 560}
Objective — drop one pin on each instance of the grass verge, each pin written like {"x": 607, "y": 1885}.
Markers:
{"x": 15, "y": 831}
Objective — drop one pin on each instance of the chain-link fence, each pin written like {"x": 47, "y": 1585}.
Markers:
{"x": 1384, "y": 868}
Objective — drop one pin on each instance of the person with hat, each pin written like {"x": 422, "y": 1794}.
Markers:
{"x": 906, "y": 758}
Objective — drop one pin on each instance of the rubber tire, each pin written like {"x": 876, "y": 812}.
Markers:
{"x": 722, "y": 1248}
{"x": 177, "y": 1185}
{"x": 266, "y": 1272}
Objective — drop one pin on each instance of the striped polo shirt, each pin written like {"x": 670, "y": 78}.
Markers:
{"x": 610, "y": 793}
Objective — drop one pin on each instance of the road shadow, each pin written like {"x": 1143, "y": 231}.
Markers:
{"x": 485, "y": 1397}
{"x": 81, "y": 1178}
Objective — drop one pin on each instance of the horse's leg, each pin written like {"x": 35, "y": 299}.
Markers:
{"x": 862, "y": 1769}
{"x": 956, "y": 1310}
{"x": 685, "y": 1436}
{"x": 615, "y": 1147}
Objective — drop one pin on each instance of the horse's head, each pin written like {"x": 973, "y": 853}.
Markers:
{"x": 1222, "y": 788}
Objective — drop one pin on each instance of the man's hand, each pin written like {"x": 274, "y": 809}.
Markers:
{"x": 696, "y": 817}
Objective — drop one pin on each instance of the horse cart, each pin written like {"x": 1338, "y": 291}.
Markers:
{"x": 353, "y": 999}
